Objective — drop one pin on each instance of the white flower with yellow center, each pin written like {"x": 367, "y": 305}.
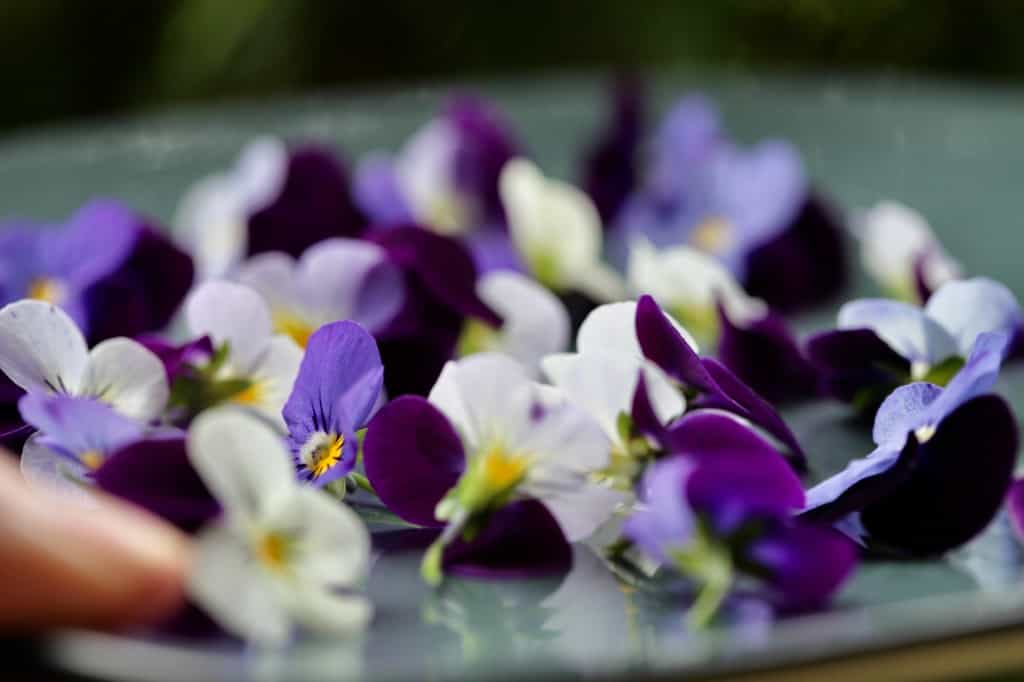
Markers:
{"x": 282, "y": 555}
{"x": 265, "y": 364}
{"x": 43, "y": 351}
{"x": 556, "y": 229}
{"x": 689, "y": 284}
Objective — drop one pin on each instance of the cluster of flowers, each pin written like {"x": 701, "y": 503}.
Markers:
{"x": 402, "y": 335}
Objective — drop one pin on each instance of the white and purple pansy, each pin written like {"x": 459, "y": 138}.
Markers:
{"x": 487, "y": 442}
{"x": 338, "y": 385}
{"x": 881, "y": 344}
{"x": 335, "y": 279}
{"x": 942, "y": 466}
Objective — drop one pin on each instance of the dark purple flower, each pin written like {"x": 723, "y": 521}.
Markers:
{"x": 177, "y": 358}
{"x": 338, "y": 385}
{"x": 440, "y": 285}
{"x": 765, "y": 355}
{"x": 313, "y": 204}
{"x": 719, "y": 388}
{"x": 1015, "y": 506}
{"x": 156, "y": 475}
{"x": 609, "y": 168}
{"x": 942, "y": 467}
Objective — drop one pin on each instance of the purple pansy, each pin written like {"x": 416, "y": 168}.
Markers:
{"x": 881, "y": 344}
{"x": 338, "y": 385}
{"x": 942, "y": 465}
{"x": 177, "y": 358}
{"x": 108, "y": 267}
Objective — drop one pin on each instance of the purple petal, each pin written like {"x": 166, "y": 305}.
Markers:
{"x": 957, "y": 485}
{"x": 492, "y": 249}
{"x": 1015, "y": 506}
{"x": 663, "y": 345}
{"x": 413, "y": 457}
{"x": 806, "y": 564}
{"x": 852, "y": 362}
{"x": 413, "y": 363}
{"x": 73, "y": 426}
{"x": 609, "y": 168}
{"x": 645, "y": 419}
{"x": 811, "y": 253}
{"x": 177, "y": 358}
{"x": 520, "y": 540}
{"x": 314, "y": 204}
{"x": 862, "y": 482}
{"x": 975, "y": 378}
{"x": 341, "y": 361}
{"x": 665, "y": 520}
{"x": 375, "y": 190}
{"x": 766, "y": 356}
{"x": 902, "y": 411}
{"x": 157, "y": 476}
{"x": 97, "y": 240}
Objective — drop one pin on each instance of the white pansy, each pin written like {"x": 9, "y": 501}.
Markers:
{"x": 557, "y": 230}
{"x": 42, "y": 350}
{"x": 535, "y": 323}
{"x": 689, "y": 284}
{"x": 237, "y": 316}
{"x": 336, "y": 279}
{"x": 212, "y": 218}
{"x": 281, "y": 555}
{"x": 425, "y": 174}
{"x": 896, "y": 240}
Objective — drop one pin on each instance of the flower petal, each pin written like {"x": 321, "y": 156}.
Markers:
{"x": 967, "y": 308}
{"x": 902, "y": 411}
{"x": 413, "y": 457}
{"x": 665, "y": 520}
{"x": 79, "y": 425}
{"x": 892, "y": 237}
{"x": 375, "y": 190}
{"x": 327, "y": 613}
{"x": 581, "y": 512}
{"x": 272, "y": 275}
{"x": 535, "y": 324}
{"x": 241, "y": 460}
{"x": 233, "y": 314}
{"x": 274, "y": 373}
{"x": 976, "y": 377}
{"x": 609, "y": 168}
{"x": 127, "y": 376}
{"x": 904, "y": 327}
{"x": 666, "y": 345}
{"x": 46, "y": 469}
{"x": 851, "y": 361}
{"x": 41, "y": 349}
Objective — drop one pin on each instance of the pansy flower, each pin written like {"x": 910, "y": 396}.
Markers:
{"x": 445, "y": 176}
{"x": 880, "y": 343}
{"x": 282, "y": 556}
{"x": 107, "y": 267}
{"x": 275, "y": 198}
{"x": 751, "y": 209}
{"x": 556, "y": 229}
{"x": 487, "y": 437}
{"x": 535, "y": 323}
{"x": 74, "y": 437}
{"x": 720, "y": 514}
{"x": 336, "y": 279}
{"x": 43, "y": 351}
{"x": 251, "y": 366}
{"x": 942, "y": 466}
{"x": 902, "y": 254}
{"x": 338, "y": 385}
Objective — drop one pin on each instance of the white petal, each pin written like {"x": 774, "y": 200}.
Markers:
{"x": 211, "y": 223}
{"x": 568, "y": 445}
{"x": 583, "y": 511}
{"x": 425, "y": 173}
{"x": 242, "y": 461}
{"x": 892, "y": 237}
{"x": 260, "y": 172}
{"x": 553, "y": 224}
{"x": 41, "y": 348}
{"x": 127, "y": 376}
{"x": 227, "y": 584}
{"x": 274, "y": 374}
{"x": 272, "y": 276}
{"x": 603, "y": 384}
{"x": 612, "y": 328}
{"x": 904, "y": 327}
{"x": 234, "y": 314}
{"x": 333, "y": 544}
{"x": 327, "y": 613}
{"x": 44, "y": 468}
{"x": 484, "y": 395}
{"x": 970, "y": 307}
{"x": 536, "y": 323}
{"x": 602, "y": 283}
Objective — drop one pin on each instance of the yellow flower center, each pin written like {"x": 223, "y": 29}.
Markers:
{"x": 274, "y": 550}
{"x": 477, "y": 337}
{"x": 253, "y": 394}
{"x": 924, "y": 433}
{"x": 46, "y": 289}
{"x": 322, "y": 452}
{"x": 714, "y": 235}
{"x": 91, "y": 459}
{"x": 447, "y": 214}
{"x": 293, "y": 325}
{"x": 503, "y": 469}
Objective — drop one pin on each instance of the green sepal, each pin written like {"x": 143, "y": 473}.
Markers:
{"x": 942, "y": 373}
{"x": 430, "y": 567}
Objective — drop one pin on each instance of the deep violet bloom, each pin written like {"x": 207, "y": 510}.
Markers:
{"x": 721, "y": 514}
{"x": 1015, "y": 506}
{"x": 753, "y": 209}
{"x": 177, "y": 358}
{"x": 941, "y": 469}
{"x": 716, "y": 386}
{"x": 338, "y": 385}
{"x": 881, "y": 344}
{"x": 441, "y": 295}
{"x": 609, "y": 167}
{"x": 156, "y": 474}
{"x": 109, "y": 268}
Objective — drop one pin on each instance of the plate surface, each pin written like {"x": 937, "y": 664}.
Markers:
{"x": 950, "y": 150}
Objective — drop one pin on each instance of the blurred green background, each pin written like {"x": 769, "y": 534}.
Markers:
{"x": 73, "y": 58}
